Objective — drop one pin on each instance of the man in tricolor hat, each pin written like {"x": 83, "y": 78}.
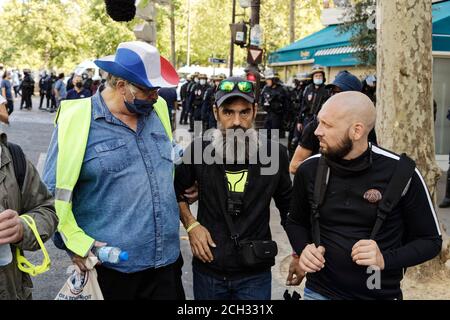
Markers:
{"x": 110, "y": 167}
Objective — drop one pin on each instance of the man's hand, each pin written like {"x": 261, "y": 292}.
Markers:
{"x": 295, "y": 275}
{"x": 200, "y": 240}
{"x": 299, "y": 127}
{"x": 311, "y": 259}
{"x": 191, "y": 194}
{"x": 367, "y": 253}
{"x": 80, "y": 262}
{"x": 11, "y": 228}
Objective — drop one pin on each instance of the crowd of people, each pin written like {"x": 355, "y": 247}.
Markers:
{"x": 353, "y": 212}
{"x": 51, "y": 87}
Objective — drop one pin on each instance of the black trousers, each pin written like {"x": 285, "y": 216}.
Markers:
{"x": 151, "y": 284}
{"x": 26, "y": 98}
{"x": 42, "y": 100}
{"x": 184, "y": 114}
{"x": 10, "y": 106}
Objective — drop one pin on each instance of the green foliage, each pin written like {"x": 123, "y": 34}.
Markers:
{"x": 59, "y": 34}
{"x": 360, "y": 21}
{"x": 210, "y": 31}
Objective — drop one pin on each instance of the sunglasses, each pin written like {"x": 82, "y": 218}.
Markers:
{"x": 243, "y": 86}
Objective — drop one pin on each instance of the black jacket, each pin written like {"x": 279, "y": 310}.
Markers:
{"x": 313, "y": 100}
{"x": 409, "y": 236}
{"x": 197, "y": 94}
{"x": 274, "y": 99}
{"x": 252, "y": 224}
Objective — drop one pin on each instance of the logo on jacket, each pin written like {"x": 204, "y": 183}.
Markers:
{"x": 373, "y": 196}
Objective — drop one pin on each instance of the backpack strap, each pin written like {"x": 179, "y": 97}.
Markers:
{"x": 19, "y": 163}
{"x": 320, "y": 187}
{"x": 403, "y": 172}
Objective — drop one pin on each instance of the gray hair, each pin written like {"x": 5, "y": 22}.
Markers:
{"x": 111, "y": 80}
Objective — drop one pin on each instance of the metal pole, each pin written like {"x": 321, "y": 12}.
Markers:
{"x": 254, "y": 20}
{"x": 189, "y": 35}
{"x": 256, "y": 4}
{"x": 233, "y": 21}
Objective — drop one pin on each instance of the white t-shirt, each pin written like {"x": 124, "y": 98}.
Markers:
{"x": 2, "y": 100}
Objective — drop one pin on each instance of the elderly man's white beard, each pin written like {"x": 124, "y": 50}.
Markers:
{"x": 235, "y": 145}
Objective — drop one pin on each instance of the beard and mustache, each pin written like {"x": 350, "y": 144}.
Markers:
{"x": 235, "y": 145}
{"x": 342, "y": 148}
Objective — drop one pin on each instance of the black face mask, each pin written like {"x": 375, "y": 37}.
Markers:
{"x": 79, "y": 85}
{"x": 140, "y": 107}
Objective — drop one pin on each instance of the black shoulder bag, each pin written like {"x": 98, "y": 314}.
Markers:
{"x": 253, "y": 253}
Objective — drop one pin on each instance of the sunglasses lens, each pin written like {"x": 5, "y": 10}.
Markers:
{"x": 245, "y": 86}
{"x": 226, "y": 86}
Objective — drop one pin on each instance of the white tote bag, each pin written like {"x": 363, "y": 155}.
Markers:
{"x": 82, "y": 285}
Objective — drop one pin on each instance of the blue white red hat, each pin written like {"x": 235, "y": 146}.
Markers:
{"x": 140, "y": 63}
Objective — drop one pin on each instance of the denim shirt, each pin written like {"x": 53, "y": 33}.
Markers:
{"x": 125, "y": 194}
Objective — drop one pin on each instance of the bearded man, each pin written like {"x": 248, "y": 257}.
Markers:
{"x": 373, "y": 218}
{"x": 230, "y": 238}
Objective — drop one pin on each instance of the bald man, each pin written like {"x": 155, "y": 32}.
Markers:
{"x": 347, "y": 264}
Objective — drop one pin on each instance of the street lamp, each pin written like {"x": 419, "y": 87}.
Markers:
{"x": 245, "y": 3}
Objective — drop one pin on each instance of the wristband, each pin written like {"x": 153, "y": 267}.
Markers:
{"x": 192, "y": 226}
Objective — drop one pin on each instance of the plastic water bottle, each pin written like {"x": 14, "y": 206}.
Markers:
{"x": 110, "y": 254}
{"x": 5, "y": 254}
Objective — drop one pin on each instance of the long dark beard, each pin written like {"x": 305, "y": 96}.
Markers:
{"x": 238, "y": 147}
{"x": 342, "y": 149}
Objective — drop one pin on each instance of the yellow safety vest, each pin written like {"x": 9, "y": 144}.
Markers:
{"x": 73, "y": 121}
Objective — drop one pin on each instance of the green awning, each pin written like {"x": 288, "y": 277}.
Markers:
{"x": 306, "y": 48}
{"x": 330, "y": 48}
{"x": 441, "y": 26}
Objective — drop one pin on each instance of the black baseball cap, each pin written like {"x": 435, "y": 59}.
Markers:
{"x": 239, "y": 83}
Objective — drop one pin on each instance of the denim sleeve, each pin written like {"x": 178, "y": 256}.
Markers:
{"x": 49, "y": 175}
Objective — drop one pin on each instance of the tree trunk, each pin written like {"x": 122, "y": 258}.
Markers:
{"x": 292, "y": 22}
{"x": 404, "y": 104}
{"x": 172, "y": 34}
{"x": 188, "y": 62}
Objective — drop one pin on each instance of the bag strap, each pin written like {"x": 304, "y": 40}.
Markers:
{"x": 402, "y": 175}
{"x": 19, "y": 163}
{"x": 320, "y": 187}
{"x": 232, "y": 227}
{"x": 229, "y": 221}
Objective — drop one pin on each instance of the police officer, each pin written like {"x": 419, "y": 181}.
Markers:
{"x": 209, "y": 121}
{"x": 301, "y": 81}
{"x": 27, "y": 88}
{"x": 190, "y": 89}
{"x": 314, "y": 97}
{"x": 273, "y": 99}
{"x": 42, "y": 88}
{"x": 446, "y": 202}
{"x": 184, "y": 98}
{"x": 197, "y": 94}
{"x": 370, "y": 88}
